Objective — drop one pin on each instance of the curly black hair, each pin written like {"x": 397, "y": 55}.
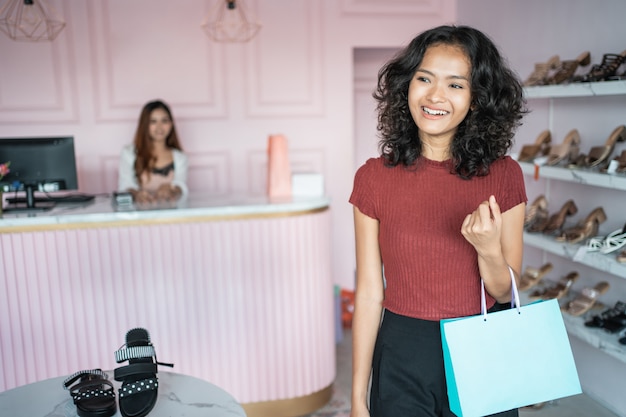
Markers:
{"x": 486, "y": 133}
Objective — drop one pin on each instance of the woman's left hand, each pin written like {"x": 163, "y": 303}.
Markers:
{"x": 482, "y": 228}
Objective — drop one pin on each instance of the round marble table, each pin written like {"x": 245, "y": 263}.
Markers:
{"x": 179, "y": 395}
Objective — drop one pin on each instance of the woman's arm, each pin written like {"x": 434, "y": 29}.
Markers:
{"x": 498, "y": 240}
{"x": 181, "y": 166}
{"x": 126, "y": 180}
{"x": 367, "y": 308}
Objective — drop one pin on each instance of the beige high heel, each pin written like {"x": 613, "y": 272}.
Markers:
{"x": 584, "y": 229}
{"x": 540, "y": 74}
{"x": 556, "y": 221}
{"x": 532, "y": 276}
{"x": 568, "y": 150}
{"x": 541, "y": 146}
{"x": 559, "y": 290}
{"x": 599, "y": 154}
{"x": 537, "y": 211}
{"x": 567, "y": 68}
{"x": 586, "y": 299}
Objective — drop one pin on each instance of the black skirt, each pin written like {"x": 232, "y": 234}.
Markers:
{"x": 408, "y": 377}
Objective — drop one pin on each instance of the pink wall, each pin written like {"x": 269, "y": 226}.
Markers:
{"x": 295, "y": 78}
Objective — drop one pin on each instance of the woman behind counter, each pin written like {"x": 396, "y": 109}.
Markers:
{"x": 154, "y": 167}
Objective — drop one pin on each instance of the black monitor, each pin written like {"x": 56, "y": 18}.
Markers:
{"x": 46, "y": 164}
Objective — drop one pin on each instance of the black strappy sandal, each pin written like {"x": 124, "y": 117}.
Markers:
{"x": 92, "y": 392}
{"x": 139, "y": 390}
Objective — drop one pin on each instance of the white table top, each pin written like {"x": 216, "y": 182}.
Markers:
{"x": 101, "y": 210}
{"x": 179, "y": 395}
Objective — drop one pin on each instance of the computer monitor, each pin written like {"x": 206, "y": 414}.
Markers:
{"x": 45, "y": 164}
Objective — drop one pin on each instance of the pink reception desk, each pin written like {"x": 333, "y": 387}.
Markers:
{"x": 237, "y": 292}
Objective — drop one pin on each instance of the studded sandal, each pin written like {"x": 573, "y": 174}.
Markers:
{"x": 92, "y": 392}
{"x": 139, "y": 390}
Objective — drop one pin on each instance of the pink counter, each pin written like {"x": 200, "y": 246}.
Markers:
{"x": 236, "y": 294}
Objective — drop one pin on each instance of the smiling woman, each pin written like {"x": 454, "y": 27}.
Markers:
{"x": 447, "y": 110}
{"x": 154, "y": 168}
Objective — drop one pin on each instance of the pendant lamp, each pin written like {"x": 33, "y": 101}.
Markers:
{"x": 30, "y": 20}
{"x": 229, "y": 21}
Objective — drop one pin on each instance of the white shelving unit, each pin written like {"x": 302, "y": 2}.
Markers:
{"x": 580, "y": 176}
{"x": 598, "y": 338}
{"x": 576, "y": 253}
{"x": 602, "y": 88}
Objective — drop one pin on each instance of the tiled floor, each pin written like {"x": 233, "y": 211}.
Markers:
{"x": 339, "y": 406}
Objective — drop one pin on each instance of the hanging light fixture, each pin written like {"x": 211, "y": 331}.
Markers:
{"x": 229, "y": 21}
{"x": 30, "y": 20}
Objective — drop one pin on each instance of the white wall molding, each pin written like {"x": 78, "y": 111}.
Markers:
{"x": 392, "y": 7}
{"x": 166, "y": 66}
{"x": 287, "y": 80}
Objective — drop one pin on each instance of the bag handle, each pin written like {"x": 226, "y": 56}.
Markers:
{"x": 514, "y": 295}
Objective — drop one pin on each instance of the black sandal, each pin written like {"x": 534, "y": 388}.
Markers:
{"x": 92, "y": 392}
{"x": 139, "y": 389}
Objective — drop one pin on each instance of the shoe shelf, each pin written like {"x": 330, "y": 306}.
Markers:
{"x": 577, "y": 253}
{"x": 598, "y": 338}
{"x": 601, "y": 88}
{"x": 595, "y": 337}
{"x": 580, "y": 176}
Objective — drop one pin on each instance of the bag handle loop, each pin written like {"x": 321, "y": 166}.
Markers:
{"x": 514, "y": 296}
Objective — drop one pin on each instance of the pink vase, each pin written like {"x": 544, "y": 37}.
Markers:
{"x": 279, "y": 170}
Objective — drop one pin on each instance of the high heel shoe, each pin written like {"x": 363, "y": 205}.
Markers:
{"x": 541, "y": 146}
{"x": 549, "y": 225}
{"x": 586, "y": 299}
{"x": 567, "y": 68}
{"x": 541, "y": 71}
{"x": 568, "y": 150}
{"x": 614, "y": 241}
{"x": 606, "y": 69}
{"x": 559, "y": 290}
{"x": 556, "y": 221}
{"x": 584, "y": 229}
{"x": 532, "y": 276}
{"x": 537, "y": 211}
{"x": 599, "y": 154}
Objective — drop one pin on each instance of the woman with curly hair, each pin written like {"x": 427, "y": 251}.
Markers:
{"x": 441, "y": 208}
{"x": 154, "y": 167}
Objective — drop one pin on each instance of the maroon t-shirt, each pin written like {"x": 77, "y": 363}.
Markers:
{"x": 431, "y": 271}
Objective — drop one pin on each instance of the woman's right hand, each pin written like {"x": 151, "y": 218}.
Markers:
{"x": 142, "y": 197}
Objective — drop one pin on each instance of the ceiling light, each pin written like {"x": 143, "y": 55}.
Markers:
{"x": 30, "y": 20}
{"x": 229, "y": 21}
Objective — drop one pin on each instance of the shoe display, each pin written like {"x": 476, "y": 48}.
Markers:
{"x": 615, "y": 323}
{"x": 614, "y": 241}
{"x": 557, "y": 220}
{"x": 584, "y": 229}
{"x": 566, "y": 69}
{"x": 536, "y": 211}
{"x": 600, "y": 154}
{"x": 532, "y": 276}
{"x": 566, "y": 151}
{"x": 605, "y": 70}
{"x": 558, "y": 291}
{"x": 600, "y": 319}
{"x": 586, "y": 299}
{"x": 540, "y": 147}
{"x": 139, "y": 390}
{"x": 92, "y": 393}
{"x": 540, "y": 73}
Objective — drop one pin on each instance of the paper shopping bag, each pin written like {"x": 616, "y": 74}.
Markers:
{"x": 279, "y": 170}
{"x": 508, "y": 359}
